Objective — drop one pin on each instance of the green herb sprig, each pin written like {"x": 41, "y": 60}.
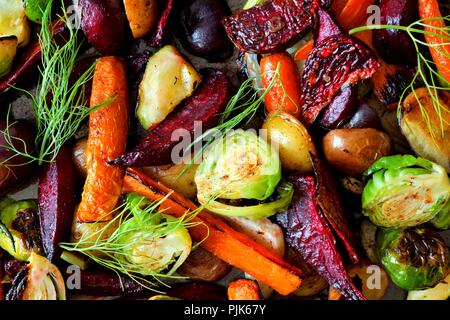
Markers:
{"x": 426, "y": 68}
{"x": 58, "y": 104}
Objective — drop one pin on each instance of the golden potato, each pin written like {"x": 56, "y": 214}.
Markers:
{"x": 293, "y": 141}
{"x": 142, "y": 16}
{"x": 353, "y": 151}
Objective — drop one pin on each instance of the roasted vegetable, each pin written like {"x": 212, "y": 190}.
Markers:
{"x": 8, "y": 50}
{"x": 353, "y": 151}
{"x": 142, "y": 16}
{"x": 160, "y": 30}
{"x": 441, "y": 291}
{"x": 218, "y": 237}
{"x": 19, "y": 229}
{"x": 414, "y": 258}
{"x": 372, "y": 288}
{"x": 395, "y": 46}
{"x": 269, "y": 27}
{"x": 14, "y": 168}
{"x": 56, "y": 202}
{"x": 285, "y": 91}
{"x": 427, "y": 129}
{"x": 243, "y": 289}
{"x": 168, "y": 79}
{"x": 201, "y": 31}
{"x": 341, "y": 108}
{"x": 294, "y": 144}
{"x": 364, "y": 117}
{"x": 108, "y": 127}
{"x": 79, "y": 156}
{"x": 308, "y": 234}
{"x": 40, "y": 280}
{"x": 404, "y": 191}
{"x": 13, "y": 21}
{"x": 242, "y": 166}
{"x": 103, "y": 23}
{"x": 324, "y": 75}
{"x": 203, "y": 265}
{"x": 204, "y": 106}
{"x": 34, "y": 9}
{"x": 442, "y": 219}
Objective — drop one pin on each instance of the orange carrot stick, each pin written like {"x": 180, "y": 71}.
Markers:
{"x": 304, "y": 51}
{"x": 353, "y": 13}
{"x": 243, "y": 289}
{"x": 108, "y": 131}
{"x": 219, "y": 238}
{"x": 285, "y": 93}
{"x": 439, "y": 46}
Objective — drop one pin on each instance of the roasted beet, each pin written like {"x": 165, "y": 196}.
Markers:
{"x": 201, "y": 31}
{"x": 103, "y": 22}
{"x": 209, "y": 99}
{"x": 396, "y": 46}
{"x": 103, "y": 283}
{"x": 364, "y": 117}
{"x": 197, "y": 291}
{"x": 56, "y": 202}
{"x": 336, "y": 60}
{"x": 308, "y": 234}
{"x": 13, "y": 168}
{"x": 269, "y": 27}
{"x": 341, "y": 108}
{"x": 160, "y": 30}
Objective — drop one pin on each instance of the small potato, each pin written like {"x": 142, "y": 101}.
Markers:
{"x": 203, "y": 265}
{"x": 79, "y": 156}
{"x": 353, "y": 151}
{"x": 168, "y": 175}
{"x": 292, "y": 139}
{"x": 142, "y": 16}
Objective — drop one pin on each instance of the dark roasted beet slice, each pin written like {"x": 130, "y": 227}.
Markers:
{"x": 364, "y": 117}
{"x": 336, "y": 60}
{"x": 307, "y": 232}
{"x": 341, "y": 109}
{"x": 328, "y": 200}
{"x": 209, "y": 100}
{"x": 160, "y": 30}
{"x": 269, "y": 27}
{"x": 56, "y": 202}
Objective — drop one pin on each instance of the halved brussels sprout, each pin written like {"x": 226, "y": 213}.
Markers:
{"x": 241, "y": 168}
{"x": 442, "y": 219}
{"x": 439, "y": 292}
{"x": 40, "y": 280}
{"x": 419, "y": 118}
{"x": 404, "y": 191}
{"x": 13, "y": 241}
{"x": 413, "y": 258}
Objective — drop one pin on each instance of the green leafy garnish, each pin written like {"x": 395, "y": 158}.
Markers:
{"x": 131, "y": 243}
{"x": 58, "y": 104}
{"x": 7, "y": 233}
{"x": 426, "y": 68}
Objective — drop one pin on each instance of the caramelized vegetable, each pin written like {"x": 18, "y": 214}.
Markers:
{"x": 269, "y": 27}
{"x": 160, "y": 30}
{"x": 284, "y": 94}
{"x": 108, "y": 128}
{"x": 56, "y": 202}
{"x": 79, "y": 156}
{"x": 203, "y": 265}
{"x": 207, "y": 102}
{"x": 243, "y": 289}
{"x": 142, "y": 16}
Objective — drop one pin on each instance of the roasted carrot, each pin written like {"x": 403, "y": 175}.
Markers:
{"x": 333, "y": 294}
{"x": 243, "y": 289}
{"x": 218, "y": 238}
{"x": 438, "y": 42}
{"x": 304, "y": 51}
{"x": 285, "y": 92}
{"x": 108, "y": 133}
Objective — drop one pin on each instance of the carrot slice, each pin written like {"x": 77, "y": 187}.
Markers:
{"x": 218, "y": 238}
{"x": 353, "y": 13}
{"x": 108, "y": 130}
{"x": 439, "y": 44}
{"x": 243, "y": 289}
{"x": 304, "y": 51}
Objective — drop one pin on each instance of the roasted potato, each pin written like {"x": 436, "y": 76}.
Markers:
{"x": 142, "y": 16}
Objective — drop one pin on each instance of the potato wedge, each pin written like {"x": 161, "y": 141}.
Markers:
{"x": 142, "y": 16}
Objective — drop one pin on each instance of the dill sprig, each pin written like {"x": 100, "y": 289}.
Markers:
{"x": 426, "y": 68}
{"x": 112, "y": 251}
{"x": 58, "y": 105}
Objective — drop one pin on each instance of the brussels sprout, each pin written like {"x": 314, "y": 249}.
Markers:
{"x": 413, "y": 258}
{"x": 439, "y": 292}
{"x": 404, "y": 191}
{"x": 41, "y": 280}
{"x": 242, "y": 167}
{"x": 442, "y": 219}
{"x": 16, "y": 242}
